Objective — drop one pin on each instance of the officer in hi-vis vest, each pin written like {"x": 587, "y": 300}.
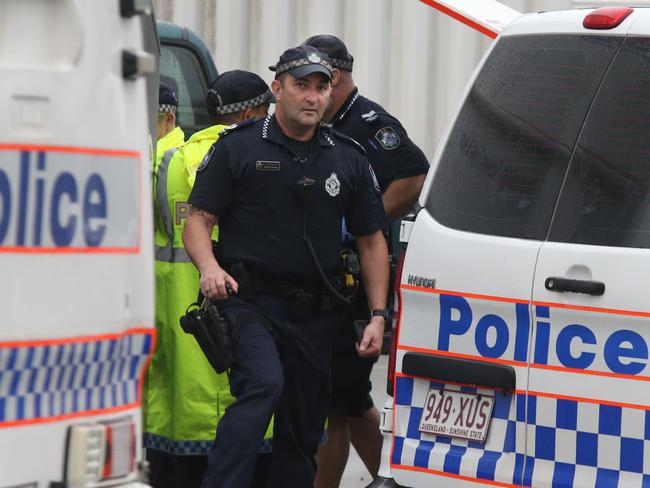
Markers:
{"x": 169, "y": 136}
{"x": 185, "y": 397}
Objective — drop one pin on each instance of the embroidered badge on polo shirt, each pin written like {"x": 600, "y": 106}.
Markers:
{"x": 267, "y": 165}
{"x": 332, "y": 185}
{"x": 388, "y": 138}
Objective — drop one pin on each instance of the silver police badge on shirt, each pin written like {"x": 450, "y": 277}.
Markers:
{"x": 332, "y": 185}
{"x": 388, "y": 138}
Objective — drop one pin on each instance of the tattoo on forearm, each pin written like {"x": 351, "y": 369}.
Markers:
{"x": 206, "y": 215}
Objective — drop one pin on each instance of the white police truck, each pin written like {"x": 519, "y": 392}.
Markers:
{"x": 76, "y": 285}
{"x": 520, "y": 354}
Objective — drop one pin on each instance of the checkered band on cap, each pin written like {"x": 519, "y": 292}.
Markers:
{"x": 341, "y": 63}
{"x": 281, "y": 68}
{"x": 166, "y": 107}
{"x": 232, "y": 108}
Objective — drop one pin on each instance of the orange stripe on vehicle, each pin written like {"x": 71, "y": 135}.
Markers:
{"x": 453, "y": 475}
{"x": 590, "y": 372}
{"x": 59, "y": 418}
{"x": 614, "y": 311}
{"x": 70, "y": 150}
{"x": 70, "y": 250}
{"x": 589, "y": 400}
{"x": 461, "y": 18}
{"x": 140, "y": 204}
{"x": 523, "y": 364}
{"x": 395, "y": 373}
{"x": 78, "y": 339}
{"x": 463, "y": 294}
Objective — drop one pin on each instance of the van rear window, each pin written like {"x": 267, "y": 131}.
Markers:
{"x": 180, "y": 69}
{"x": 510, "y": 147}
{"x": 606, "y": 197}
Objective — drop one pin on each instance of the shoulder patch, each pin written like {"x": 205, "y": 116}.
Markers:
{"x": 206, "y": 159}
{"x": 234, "y": 127}
{"x": 388, "y": 138}
{"x": 349, "y": 140}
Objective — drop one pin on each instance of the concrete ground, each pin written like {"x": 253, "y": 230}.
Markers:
{"x": 356, "y": 475}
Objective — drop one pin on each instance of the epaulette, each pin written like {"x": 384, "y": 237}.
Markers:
{"x": 349, "y": 140}
{"x": 379, "y": 117}
{"x": 232, "y": 128}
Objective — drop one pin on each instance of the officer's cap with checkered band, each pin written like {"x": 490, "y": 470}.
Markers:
{"x": 167, "y": 101}
{"x": 302, "y": 61}
{"x": 235, "y": 91}
{"x": 335, "y": 48}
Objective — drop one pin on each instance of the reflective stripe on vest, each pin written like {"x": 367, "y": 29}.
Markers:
{"x": 167, "y": 253}
{"x": 171, "y": 254}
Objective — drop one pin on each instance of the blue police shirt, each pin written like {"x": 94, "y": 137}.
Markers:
{"x": 389, "y": 149}
{"x": 248, "y": 179}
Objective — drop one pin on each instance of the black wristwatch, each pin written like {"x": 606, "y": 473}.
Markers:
{"x": 380, "y": 312}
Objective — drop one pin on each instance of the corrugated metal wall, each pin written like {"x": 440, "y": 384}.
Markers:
{"x": 408, "y": 57}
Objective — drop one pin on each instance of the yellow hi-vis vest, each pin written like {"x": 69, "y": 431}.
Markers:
{"x": 174, "y": 138}
{"x": 185, "y": 397}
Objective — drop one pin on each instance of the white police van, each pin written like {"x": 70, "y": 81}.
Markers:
{"x": 76, "y": 250}
{"x": 521, "y": 351}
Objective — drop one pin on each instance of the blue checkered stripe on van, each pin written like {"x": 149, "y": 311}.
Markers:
{"x": 599, "y": 445}
{"x": 493, "y": 460}
{"x": 564, "y": 443}
{"x": 49, "y": 381}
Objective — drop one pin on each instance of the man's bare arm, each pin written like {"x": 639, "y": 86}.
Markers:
{"x": 197, "y": 239}
{"x": 373, "y": 253}
{"x": 401, "y": 195}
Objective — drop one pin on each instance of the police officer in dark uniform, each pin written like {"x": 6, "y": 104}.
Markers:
{"x": 279, "y": 189}
{"x": 400, "y": 167}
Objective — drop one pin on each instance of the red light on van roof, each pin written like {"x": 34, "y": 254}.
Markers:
{"x": 606, "y": 17}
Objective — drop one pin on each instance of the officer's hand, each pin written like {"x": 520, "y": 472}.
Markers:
{"x": 373, "y": 336}
{"x": 215, "y": 283}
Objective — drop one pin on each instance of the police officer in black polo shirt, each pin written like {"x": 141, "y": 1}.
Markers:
{"x": 400, "y": 167}
{"x": 279, "y": 189}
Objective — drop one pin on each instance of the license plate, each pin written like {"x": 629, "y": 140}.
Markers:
{"x": 457, "y": 414}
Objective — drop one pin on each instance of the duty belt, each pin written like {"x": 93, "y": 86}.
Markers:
{"x": 314, "y": 294}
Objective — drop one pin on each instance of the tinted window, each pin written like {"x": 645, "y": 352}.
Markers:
{"x": 180, "y": 68}
{"x": 606, "y": 197}
{"x": 508, "y": 152}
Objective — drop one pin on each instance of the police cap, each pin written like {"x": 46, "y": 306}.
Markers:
{"x": 235, "y": 91}
{"x": 338, "y": 53}
{"x": 167, "y": 101}
{"x": 302, "y": 61}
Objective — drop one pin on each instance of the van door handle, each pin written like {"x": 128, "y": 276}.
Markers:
{"x": 596, "y": 288}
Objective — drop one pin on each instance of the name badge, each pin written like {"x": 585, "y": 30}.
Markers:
{"x": 267, "y": 165}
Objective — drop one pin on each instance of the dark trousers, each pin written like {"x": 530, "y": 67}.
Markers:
{"x": 176, "y": 471}
{"x": 282, "y": 367}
